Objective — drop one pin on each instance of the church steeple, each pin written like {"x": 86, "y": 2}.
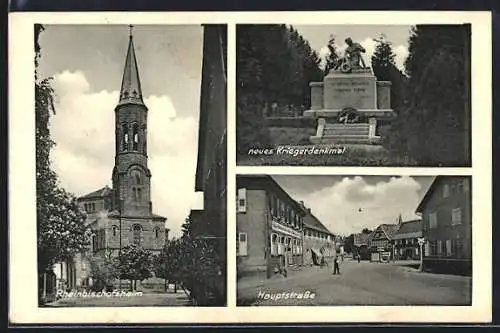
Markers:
{"x": 131, "y": 176}
{"x": 130, "y": 92}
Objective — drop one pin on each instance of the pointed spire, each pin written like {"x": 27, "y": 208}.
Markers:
{"x": 130, "y": 91}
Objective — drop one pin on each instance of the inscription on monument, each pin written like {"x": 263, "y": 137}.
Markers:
{"x": 352, "y": 92}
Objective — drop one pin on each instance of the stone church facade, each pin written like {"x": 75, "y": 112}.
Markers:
{"x": 123, "y": 214}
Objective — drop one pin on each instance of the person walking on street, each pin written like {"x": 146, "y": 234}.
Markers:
{"x": 359, "y": 258}
{"x": 336, "y": 269}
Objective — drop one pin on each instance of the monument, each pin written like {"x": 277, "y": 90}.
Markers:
{"x": 350, "y": 102}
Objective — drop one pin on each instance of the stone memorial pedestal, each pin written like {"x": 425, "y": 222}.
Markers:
{"x": 349, "y": 106}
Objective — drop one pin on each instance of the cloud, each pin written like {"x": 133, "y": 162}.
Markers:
{"x": 338, "y": 206}
{"x": 400, "y": 51}
{"x": 83, "y": 129}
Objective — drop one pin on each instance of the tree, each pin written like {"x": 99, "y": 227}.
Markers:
{"x": 167, "y": 264}
{"x": 383, "y": 59}
{"x": 366, "y": 231}
{"x": 134, "y": 264}
{"x": 348, "y": 243}
{"x": 103, "y": 268}
{"x": 275, "y": 65}
{"x": 433, "y": 124}
{"x": 60, "y": 223}
{"x": 333, "y": 57}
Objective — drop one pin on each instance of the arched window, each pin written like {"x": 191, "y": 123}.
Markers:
{"x": 125, "y": 137}
{"x": 136, "y": 176}
{"x": 135, "y": 137}
{"x": 137, "y": 234}
{"x": 94, "y": 242}
{"x": 157, "y": 232}
{"x": 115, "y": 230}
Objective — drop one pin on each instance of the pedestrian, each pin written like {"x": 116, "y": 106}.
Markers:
{"x": 359, "y": 258}
{"x": 336, "y": 269}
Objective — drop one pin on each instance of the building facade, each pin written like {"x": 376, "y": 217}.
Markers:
{"x": 406, "y": 240}
{"x": 319, "y": 242}
{"x": 123, "y": 214}
{"x": 447, "y": 225}
{"x": 269, "y": 226}
{"x": 380, "y": 242}
{"x": 210, "y": 223}
{"x": 360, "y": 246}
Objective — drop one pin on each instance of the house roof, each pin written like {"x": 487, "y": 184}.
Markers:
{"x": 361, "y": 239}
{"x": 312, "y": 222}
{"x": 102, "y": 192}
{"x": 388, "y": 229}
{"x": 409, "y": 229}
{"x": 266, "y": 180}
{"x": 427, "y": 195}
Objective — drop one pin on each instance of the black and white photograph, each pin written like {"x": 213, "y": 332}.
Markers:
{"x": 131, "y": 165}
{"x": 326, "y": 240}
{"x": 353, "y": 95}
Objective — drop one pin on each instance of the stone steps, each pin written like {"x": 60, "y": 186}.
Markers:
{"x": 349, "y": 139}
{"x": 351, "y": 126}
{"x": 346, "y": 131}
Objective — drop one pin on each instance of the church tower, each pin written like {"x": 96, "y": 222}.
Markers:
{"x": 131, "y": 175}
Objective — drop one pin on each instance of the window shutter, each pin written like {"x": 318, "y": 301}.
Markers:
{"x": 243, "y": 244}
{"x": 456, "y": 216}
{"x": 242, "y": 200}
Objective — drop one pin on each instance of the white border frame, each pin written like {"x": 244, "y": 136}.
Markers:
{"x": 22, "y": 218}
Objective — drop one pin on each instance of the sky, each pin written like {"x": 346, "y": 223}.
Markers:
{"x": 87, "y": 63}
{"x": 318, "y": 36}
{"x": 337, "y": 200}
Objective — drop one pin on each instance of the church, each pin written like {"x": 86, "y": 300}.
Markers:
{"x": 123, "y": 214}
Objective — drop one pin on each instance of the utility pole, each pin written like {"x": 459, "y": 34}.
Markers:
{"x": 421, "y": 244}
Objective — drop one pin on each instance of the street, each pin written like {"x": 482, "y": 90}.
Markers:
{"x": 363, "y": 283}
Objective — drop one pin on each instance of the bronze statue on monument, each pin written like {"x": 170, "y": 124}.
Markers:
{"x": 353, "y": 59}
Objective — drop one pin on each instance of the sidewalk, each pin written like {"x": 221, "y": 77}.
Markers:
{"x": 255, "y": 281}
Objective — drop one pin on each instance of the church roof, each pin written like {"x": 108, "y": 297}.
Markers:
{"x": 102, "y": 192}
{"x": 130, "y": 92}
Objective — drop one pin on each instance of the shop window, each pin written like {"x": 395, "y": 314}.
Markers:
{"x": 274, "y": 244}
{"x": 448, "y": 248}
